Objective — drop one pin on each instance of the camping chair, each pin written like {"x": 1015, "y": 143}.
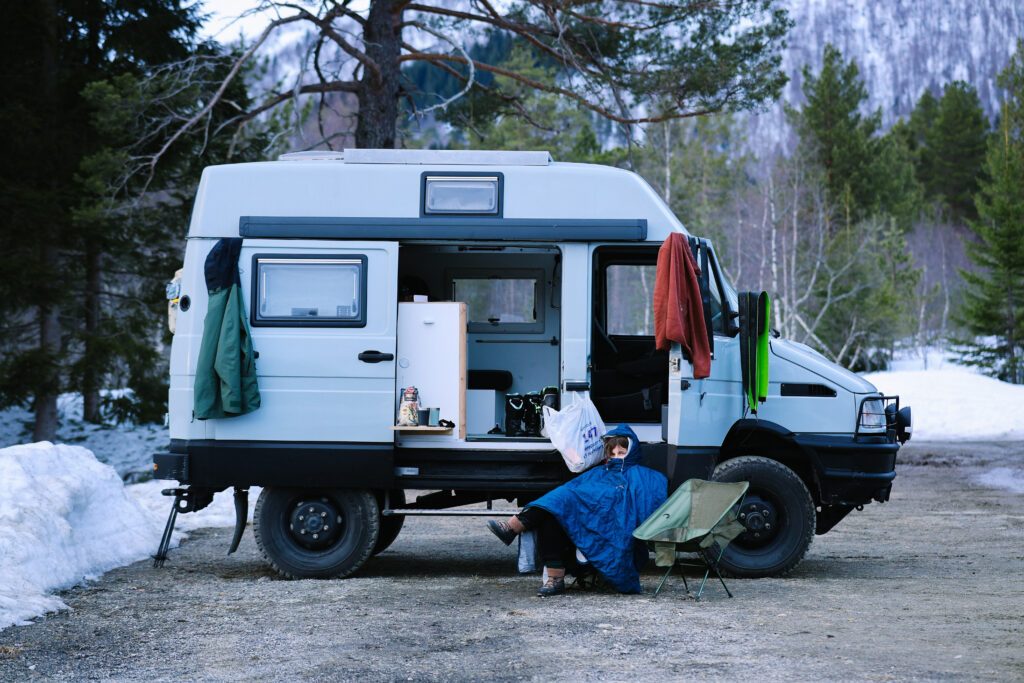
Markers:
{"x": 700, "y": 517}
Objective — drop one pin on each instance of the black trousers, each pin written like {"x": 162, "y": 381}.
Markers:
{"x": 552, "y": 541}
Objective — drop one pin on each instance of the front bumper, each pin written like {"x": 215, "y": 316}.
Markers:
{"x": 851, "y": 470}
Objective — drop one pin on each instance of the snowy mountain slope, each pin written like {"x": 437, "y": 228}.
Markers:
{"x": 902, "y": 47}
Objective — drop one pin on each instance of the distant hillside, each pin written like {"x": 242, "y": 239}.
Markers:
{"x": 901, "y": 47}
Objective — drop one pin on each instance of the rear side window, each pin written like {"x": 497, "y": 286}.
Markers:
{"x": 509, "y": 303}
{"x": 297, "y": 291}
{"x": 629, "y": 292}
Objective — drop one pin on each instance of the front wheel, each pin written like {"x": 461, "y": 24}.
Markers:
{"x": 316, "y": 534}
{"x": 778, "y": 513}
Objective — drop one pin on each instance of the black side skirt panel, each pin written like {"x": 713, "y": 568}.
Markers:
{"x": 219, "y": 464}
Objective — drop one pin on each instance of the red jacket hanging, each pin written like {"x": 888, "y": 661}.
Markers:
{"x": 678, "y": 311}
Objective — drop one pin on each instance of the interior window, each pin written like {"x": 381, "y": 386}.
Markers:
{"x": 629, "y": 293}
{"x": 321, "y": 290}
{"x": 499, "y": 303}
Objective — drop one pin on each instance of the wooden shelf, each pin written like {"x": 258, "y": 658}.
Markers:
{"x": 434, "y": 430}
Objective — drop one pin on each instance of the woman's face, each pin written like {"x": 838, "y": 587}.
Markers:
{"x": 619, "y": 451}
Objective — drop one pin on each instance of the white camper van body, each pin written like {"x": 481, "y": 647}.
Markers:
{"x": 328, "y": 418}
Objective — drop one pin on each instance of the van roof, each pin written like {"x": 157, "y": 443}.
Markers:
{"x": 374, "y": 187}
{"x": 426, "y": 157}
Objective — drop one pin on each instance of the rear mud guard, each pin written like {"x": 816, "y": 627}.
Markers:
{"x": 241, "y": 516}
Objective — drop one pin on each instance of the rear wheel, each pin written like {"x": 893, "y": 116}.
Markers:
{"x": 322, "y": 534}
{"x": 778, "y": 513}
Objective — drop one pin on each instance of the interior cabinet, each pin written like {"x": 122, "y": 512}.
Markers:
{"x": 432, "y": 358}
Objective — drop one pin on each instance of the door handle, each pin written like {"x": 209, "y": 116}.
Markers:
{"x": 375, "y": 356}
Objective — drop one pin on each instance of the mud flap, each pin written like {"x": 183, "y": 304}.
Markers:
{"x": 241, "y": 516}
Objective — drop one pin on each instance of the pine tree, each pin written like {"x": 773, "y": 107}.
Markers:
{"x": 993, "y": 310}
{"x": 922, "y": 119}
{"x": 50, "y": 51}
{"x": 954, "y": 149}
{"x": 835, "y": 134}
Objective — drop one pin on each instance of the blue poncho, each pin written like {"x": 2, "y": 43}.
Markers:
{"x": 600, "y": 508}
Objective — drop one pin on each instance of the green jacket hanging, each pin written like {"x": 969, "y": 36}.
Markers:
{"x": 226, "y": 370}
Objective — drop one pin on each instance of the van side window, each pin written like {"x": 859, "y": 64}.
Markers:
{"x": 296, "y": 291}
{"x": 629, "y": 291}
{"x": 503, "y": 303}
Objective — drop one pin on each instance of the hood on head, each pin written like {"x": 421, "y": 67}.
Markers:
{"x": 635, "y": 454}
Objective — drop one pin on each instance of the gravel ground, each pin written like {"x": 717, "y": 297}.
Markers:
{"x": 924, "y": 587}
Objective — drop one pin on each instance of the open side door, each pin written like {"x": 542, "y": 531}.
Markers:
{"x": 701, "y": 411}
{"x": 324, "y": 324}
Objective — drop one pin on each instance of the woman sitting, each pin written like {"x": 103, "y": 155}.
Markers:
{"x": 596, "y": 512}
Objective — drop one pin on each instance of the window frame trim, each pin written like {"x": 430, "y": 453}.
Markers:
{"x": 256, "y": 321}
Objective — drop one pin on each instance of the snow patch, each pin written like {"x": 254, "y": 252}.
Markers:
{"x": 1007, "y": 478}
{"x": 64, "y": 518}
{"x": 956, "y": 404}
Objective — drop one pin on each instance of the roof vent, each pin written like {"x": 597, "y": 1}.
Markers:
{"x": 313, "y": 155}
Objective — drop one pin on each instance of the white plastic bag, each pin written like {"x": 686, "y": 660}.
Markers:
{"x": 528, "y": 561}
{"x": 576, "y": 432}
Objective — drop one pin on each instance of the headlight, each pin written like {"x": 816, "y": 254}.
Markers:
{"x": 872, "y": 415}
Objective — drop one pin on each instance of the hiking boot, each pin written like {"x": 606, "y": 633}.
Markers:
{"x": 531, "y": 414}
{"x": 515, "y": 409}
{"x": 553, "y": 586}
{"x": 502, "y": 530}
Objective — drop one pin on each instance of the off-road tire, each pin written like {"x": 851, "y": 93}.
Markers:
{"x": 796, "y": 518}
{"x": 354, "y": 546}
{"x": 391, "y": 525}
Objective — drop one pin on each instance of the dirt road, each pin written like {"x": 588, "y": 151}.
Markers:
{"x": 925, "y": 587}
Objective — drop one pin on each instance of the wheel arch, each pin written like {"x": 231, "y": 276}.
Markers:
{"x": 772, "y": 440}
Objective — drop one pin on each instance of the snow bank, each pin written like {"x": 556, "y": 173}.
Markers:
{"x": 956, "y": 404}
{"x": 64, "y": 518}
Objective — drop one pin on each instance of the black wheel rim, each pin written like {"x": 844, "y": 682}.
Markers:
{"x": 314, "y": 523}
{"x": 763, "y": 514}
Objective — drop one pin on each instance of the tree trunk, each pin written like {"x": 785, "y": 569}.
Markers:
{"x": 379, "y": 90}
{"x": 47, "y": 384}
{"x": 92, "y": 373}
{"x": 48, "y": 377}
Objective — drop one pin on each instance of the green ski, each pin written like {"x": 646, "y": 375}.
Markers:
{"x": 754, "y": 331}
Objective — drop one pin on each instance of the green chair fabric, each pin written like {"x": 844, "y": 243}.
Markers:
{"x": 699, "y": 517}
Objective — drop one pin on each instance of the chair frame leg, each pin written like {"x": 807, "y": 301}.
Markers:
{"x": 664, "y": 579}
{"x": 710, "y": 568}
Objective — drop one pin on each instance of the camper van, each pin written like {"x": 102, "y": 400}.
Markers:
{"x": 484, "y": 284}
